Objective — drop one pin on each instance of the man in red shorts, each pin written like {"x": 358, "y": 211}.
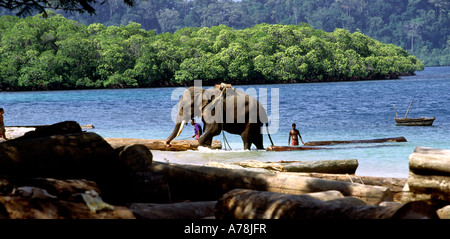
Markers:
{"x": 293, "y": 133}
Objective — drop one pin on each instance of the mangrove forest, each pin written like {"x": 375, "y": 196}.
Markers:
{"x": 53, "y": 52}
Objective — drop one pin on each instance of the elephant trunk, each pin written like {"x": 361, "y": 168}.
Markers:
{"x": 176, "y": 132}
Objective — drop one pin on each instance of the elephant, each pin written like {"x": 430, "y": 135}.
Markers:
{"x": 222, "y": 108}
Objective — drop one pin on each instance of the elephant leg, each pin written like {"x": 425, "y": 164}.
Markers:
{"x": 252, "y": 135}
{"x": 258, "y": 142}
{"x": 206, "y": 138}
{"x": 246, "y": 140}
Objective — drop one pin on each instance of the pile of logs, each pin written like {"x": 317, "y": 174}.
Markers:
{"x": 429, "y": 176}
{"x": 59, "y": 171}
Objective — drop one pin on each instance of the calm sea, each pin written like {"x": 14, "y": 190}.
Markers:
{"x": 322, "y": 111}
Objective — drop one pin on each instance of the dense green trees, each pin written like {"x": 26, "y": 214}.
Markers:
{"x": 58, "y": 53}
{"x": 419, "y": 26}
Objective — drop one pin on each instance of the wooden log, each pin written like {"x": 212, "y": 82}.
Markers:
{"x": 57, "y": 155}
{"x": 80, "y": 155}
{"x": 444, "y": 213}
{"x": 429, "y": 184}
{"x": 13, "y": 132}
{"x": 156, "y": 144}
{"x": 15, "y": 207}
{"x": 149, "y": 187}
{"x": 136, "y": 156}
{"x": 343, "y": 166}
{"x": 200, "y": 183}
{"x": 434, "y": 189}
{"x": 185, "y": 210}
{"x": 61, "y": 128}
{"x": 63, "y": 189}
{"x": 250, "y": 204}
{"x": 430, "y": 161}
{"x": 293, "y": 148}
{"x": 395, "y": 185}
{"x": 383, "y": 140}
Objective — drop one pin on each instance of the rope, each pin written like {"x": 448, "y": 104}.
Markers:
{"x": 349, "y": 177}
{"x": 225, "y": 140}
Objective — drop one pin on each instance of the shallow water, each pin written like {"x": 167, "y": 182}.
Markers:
{"x": 322, "y": 111}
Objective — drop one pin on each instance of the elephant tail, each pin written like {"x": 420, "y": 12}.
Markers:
{"x": 267, "y": 127}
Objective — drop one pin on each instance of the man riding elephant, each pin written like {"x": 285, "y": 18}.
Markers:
{"x": 222, "y": 108}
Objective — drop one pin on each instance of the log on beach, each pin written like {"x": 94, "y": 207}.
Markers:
{"x": 395, "y": 185}
{"x": 67, "y": 154}
{"x": 250, "y": 204}
{"x": 18, "y": 207}
{"x": 342, "y": 166}
{"x": 429, "y": 176}
{"x": 184, "y": 210}
{"x": 383, "y": 140}
{"x": 49, "y": 198}
{"x": 203, "y": 183}
{"x": 156, "y": 144}
{"x": 13, "y": 132}
{"x": 430, "y": 161}
{"x": 57, "y": 152}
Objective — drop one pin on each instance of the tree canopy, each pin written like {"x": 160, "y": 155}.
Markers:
{"x": 419, "y": 26}
{"x": 38, "y": 53}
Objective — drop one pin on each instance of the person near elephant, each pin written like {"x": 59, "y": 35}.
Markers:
{"x": 293, "y": 134}
{"x": 221, "y": 108}
{"x": 197, "y": 129}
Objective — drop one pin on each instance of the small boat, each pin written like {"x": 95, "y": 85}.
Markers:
{"x": 423, "y": 121}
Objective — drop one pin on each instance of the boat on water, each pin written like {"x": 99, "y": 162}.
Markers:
{"x": 423, "y": 121}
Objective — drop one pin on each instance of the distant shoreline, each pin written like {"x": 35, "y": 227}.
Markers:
{"x": 235, "y": 82}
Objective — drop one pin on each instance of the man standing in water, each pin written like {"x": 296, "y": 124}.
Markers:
{"x": 293, "y": 133}
{"x": 2, "y": 125}
{"x": 197, "y": 129}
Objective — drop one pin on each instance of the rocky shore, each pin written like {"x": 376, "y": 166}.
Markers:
{"x": 62, "y": 172}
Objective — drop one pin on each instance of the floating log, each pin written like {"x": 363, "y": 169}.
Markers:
{"x": 301, "y": 148}
{"x": 185, "y": 210}
{"x": 343, "y": 166}
{"x": 202, "y": 183}
{"x": 430, "y": 161}
{"x": 156, "y": 144}
{"x": 383, "y": 140}
{"x": 293, "y": 148}
{"x": 250, "y": 204}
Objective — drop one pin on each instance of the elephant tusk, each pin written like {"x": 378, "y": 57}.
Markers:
{"x": 181, "y": 128}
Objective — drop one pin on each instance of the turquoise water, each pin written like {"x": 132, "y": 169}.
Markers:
{"x": 322, "y": 111}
